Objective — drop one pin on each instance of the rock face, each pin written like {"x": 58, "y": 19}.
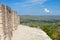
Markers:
{"x": 28, "y": 33}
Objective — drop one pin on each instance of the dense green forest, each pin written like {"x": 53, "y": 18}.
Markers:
{"x": 49, "y": 24}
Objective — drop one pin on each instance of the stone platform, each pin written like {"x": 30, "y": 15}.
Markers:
{"x": 28, "y": 33}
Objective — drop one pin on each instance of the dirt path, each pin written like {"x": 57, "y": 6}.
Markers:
{"x": 28, "y": 33}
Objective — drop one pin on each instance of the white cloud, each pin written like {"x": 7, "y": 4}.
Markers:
{"x": 46, "y": 10}
{"x": 30, "y": 2}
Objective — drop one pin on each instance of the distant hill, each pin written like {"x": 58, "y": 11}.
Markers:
{"x": 44, "y": 19}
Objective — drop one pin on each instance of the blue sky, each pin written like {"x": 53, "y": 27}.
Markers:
{"x": 34, "y": 7}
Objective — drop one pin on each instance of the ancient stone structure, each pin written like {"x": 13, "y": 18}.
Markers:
{"x": 8, "y": 22}
{"x": 15, "y": 20}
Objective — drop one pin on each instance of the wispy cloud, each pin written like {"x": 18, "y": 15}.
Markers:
{"x": 30, "y": 2}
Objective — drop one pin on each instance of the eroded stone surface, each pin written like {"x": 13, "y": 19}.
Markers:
{"x": 28, "y": 33}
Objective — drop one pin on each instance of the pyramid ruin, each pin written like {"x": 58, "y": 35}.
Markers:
{"x": 8, "y": 22}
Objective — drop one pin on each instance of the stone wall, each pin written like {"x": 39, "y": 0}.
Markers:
{"x": 8, "y": 22}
